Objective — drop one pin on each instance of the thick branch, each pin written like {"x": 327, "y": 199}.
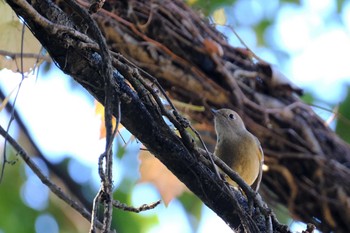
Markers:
{"x": 184, "y": 53}
{"x": 197, "y": 66}
{"x": 75, "y": 55}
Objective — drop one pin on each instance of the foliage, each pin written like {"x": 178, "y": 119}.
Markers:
{"x": 209, "y": 6}
{"x": 12, "y": 209}
{"x": 343, "y": 122}
{"x": 11, "y": 38}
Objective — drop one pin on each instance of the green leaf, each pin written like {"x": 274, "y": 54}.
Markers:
{"x": 125, "y": 221}
{"x": 15, "y": 215}
{"x": 193, "y": 206}
{"x": 260, "y": 30}
{"x": 308, "y": 98}
{"x": 343, "y": 123}
{"x": 208, "y": 6}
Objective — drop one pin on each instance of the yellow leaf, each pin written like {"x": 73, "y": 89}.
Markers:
{"x": 6, "y": 100}
{"x": 100, "y": 111}
{"x": 191, "y": 2}
{"x": 153, "y": 171}
{"x": 11, "y": 39}
{"x": 219, "y": 16}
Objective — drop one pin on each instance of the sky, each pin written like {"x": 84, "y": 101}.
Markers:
{"x": 315, "y": 37}
{"x": 309, "y": 43}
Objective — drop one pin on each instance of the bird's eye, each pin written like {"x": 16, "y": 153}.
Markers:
{"x": 231, "y": 116}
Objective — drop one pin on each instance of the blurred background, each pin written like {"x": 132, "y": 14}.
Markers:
{"x": 306, "y": 40}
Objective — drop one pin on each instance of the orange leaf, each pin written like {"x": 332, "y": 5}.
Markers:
{"x": 153, "y": 171}
{"x": 100, "y": 111}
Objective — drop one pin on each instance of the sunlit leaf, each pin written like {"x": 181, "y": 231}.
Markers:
{"x": 11, "y": 40}
{"x": 100, "y": 111}
{"x": 219, "y": 16}
{"x": 5, "y": 101}
{"x": 153, "y": 171}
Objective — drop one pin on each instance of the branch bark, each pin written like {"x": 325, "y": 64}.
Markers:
{"x": 307, "y": 162}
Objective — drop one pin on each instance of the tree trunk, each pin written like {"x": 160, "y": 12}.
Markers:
{"x": 308, "y": 165}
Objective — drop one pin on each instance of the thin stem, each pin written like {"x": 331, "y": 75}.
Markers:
{"x": 45, "y": 180}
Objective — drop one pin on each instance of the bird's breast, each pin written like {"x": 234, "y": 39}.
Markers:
{"x": 241, "y": 154}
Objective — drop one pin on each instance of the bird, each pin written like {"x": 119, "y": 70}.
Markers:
{"x": 237, "y": 147}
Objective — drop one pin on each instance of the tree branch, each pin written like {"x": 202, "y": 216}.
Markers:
{"x": 57, "y": 170}
{"x": 173, "y": 46}
{"x": 54, "y": 188}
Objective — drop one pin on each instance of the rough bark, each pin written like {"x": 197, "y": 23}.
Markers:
{"x": 308, "y": 164}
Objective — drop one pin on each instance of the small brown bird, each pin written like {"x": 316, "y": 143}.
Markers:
{"x": 237, "y": 147}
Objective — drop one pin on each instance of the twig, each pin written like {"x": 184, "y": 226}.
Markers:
{"x": 248, "y": 191}
{"x": 14, "y": 103}
{"x": 25, "y": 55}
{"x": 144, "y": 207}
{"x": 52, "y": 28}
{"x": 107, "y": 73}
{"x": 94, "y": 211}
{"x": 96, "y": 6}
{"x": 179, "y": 121}
{"x": 186, "y": 123}
{"x": 53, "y": 187}
{"x": 71, "y": 185}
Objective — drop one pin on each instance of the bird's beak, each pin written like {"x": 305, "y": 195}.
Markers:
{"x": 214, "y": 111}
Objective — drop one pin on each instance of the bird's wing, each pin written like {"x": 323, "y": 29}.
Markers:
{"x": 256, "y": 184}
